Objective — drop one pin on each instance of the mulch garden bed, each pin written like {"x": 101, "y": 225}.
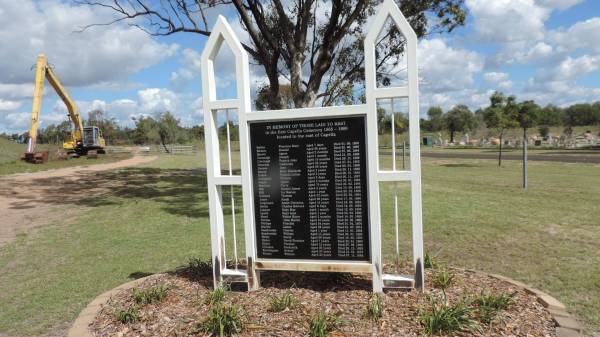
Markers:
{"x": 184, "y": 308}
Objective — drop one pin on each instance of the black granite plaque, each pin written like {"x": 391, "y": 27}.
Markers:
{"x": 310, "y": 189}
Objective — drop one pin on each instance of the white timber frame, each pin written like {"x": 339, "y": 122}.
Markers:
{"x": 217, "y": 182}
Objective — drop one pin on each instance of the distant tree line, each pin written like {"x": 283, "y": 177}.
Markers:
{"x": 163, "y": 128}
{"x": 505, "y": 112}
{"x": 502, "y": 113}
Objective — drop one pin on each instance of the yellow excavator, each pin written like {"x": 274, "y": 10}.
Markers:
{"x": 83, "y": 140}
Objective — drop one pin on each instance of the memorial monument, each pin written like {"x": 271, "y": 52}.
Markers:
{"x": 310, "y": 177}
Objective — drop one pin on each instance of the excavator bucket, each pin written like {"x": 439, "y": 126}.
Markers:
{"x": 35, "y": 157}
{"x": 92, "y": 154}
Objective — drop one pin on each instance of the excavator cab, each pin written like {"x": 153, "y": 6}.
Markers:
{"x": 91, "y": 137}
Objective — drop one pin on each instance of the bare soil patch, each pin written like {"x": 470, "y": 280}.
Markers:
{"x": 184, "y": 307}
{"x": 30, "y": 200}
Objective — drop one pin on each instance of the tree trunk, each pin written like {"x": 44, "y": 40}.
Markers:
{"x": 524, "y": 158}
{"x": 500, "y": 152}
{"x": 451, "y": 136}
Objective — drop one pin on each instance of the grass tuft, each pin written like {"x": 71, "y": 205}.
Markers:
{"x": 444, "y": 318}
{"x": 154, "y": 294}
{"x": 323, "y": 323}
{"x": 223, "y": 320}
{"x": 217, "y": 295}
{"x": 489, "y": 305}
{"x": 282, "y": 302}
{"x": 430, "y": 261}
{"x": 128, "y": 315}
{"x": 374, "y": 310}
{"x": 199, "y": 267}
{"x": 443, "y": 279}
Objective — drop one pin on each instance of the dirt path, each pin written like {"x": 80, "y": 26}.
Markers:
{"x": 30, "y": 200}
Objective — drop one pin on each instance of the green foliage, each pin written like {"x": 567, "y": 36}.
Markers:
{"x": 435, "y": 119}
{"x": 459, "y": 119}
{"x": 582, "y": 115}
{"x": 430, "y": 261}
{"x": 170, "y": 130}
{"x": 488, "y": 305}
{"x": 374, "y": 310}
{"x": 544, "y": 130}
{"x": 551, "y": 115}
{"x": 443, "y": 279}
{"x": 217, "y": 295}
{"x": 199, "y": 267}
{"x": 282, "y": 302}
{"x": 500, "y": 114}
{"x": 223, "y": 320}
{"x": 129, "y": 315}
{"x": 444, "y": 318}
{"x": 154, "y": 294}
{"x": 527, "y": 114}
{"x": 146, "y": 130}
{"x": 323, "y": 323}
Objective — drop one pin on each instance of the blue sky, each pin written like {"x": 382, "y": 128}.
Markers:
{"x": 545, "y": 50}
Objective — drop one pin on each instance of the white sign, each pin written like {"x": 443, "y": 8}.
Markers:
{"x": 327, "y": 174}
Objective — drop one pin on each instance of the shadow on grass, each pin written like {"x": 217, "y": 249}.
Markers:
{"x": 139, "y": 274}
{"x": 178, "y": 191}
{"x": 461, "y": 165}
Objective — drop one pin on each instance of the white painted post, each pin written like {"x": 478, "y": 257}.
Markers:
{"x": 373, "y": 154}
{"x": 235, "y": 254}
{"x": 389, "y": 9}
{"x": 222, "y": 32}
{"x": 396, "y": 225}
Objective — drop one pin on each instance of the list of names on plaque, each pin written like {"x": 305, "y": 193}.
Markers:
{"x": 310, "y": 189}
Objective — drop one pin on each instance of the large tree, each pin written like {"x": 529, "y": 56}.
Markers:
{"x": 500, "y": 116}
{"x": 435, "y": 117}
{"x": 316, "y": 45}
{"x": 459, "y": 119}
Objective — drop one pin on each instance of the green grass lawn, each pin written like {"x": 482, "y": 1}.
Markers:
{"x": 10, "y": 154}
{"x": 475, "y": 215}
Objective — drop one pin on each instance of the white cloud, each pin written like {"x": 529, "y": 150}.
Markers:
{"x": 157, "y": 100}
{"x": 9, "y": 105}
{"x": 559, "y": 4}
{"x": 508, "y": 20}
{"x": 583, "y": 34}
{"x": 150, "y": 102}
{"x": 498, "y": 80}
{"x": 17, "y": 120}
{"x": 444, "y": 68}
{"x": 96, "y": 55}
{"x": 16, "y": 91}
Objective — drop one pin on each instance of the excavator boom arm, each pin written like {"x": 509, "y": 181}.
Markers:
{"x": 43, "y": 71}
{"x": 60, "y": 90}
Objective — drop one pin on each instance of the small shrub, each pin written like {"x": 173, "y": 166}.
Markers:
{"x": 223, "y": 320}
{"x": 489, "y": 305}
{"x": 128, "y": 315}
{"x": 374, "y": 309}
{"x": 217, "y": 295}
{"x": 443, "y": 279}
{"x": 155, "y": 294}
{"x": 280, "y": 303}
{"x": 430, "y": 261}
{"x": 444, "y": 318}
{"x": 199, "y": 267}
{"x": 324, "y": 323}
